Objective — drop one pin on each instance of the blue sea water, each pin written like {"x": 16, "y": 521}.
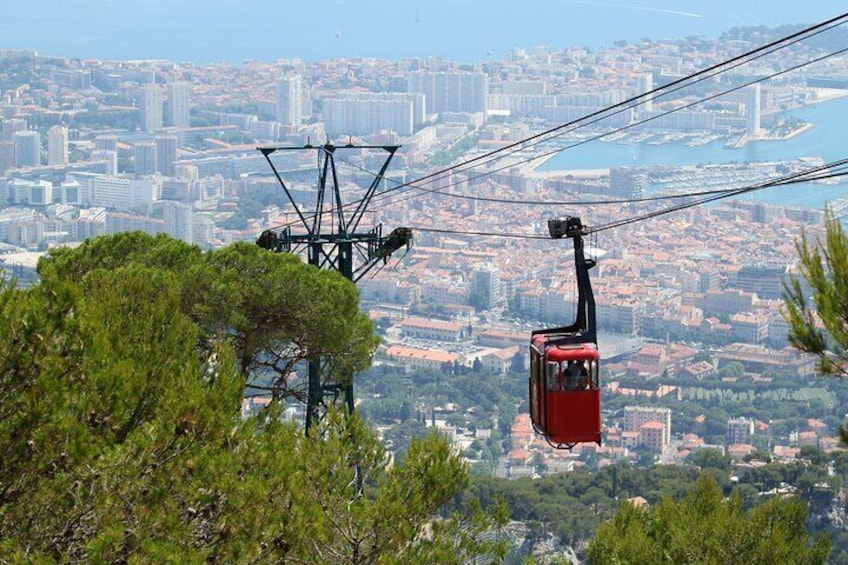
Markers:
{"x": 204, "y": 31}
{"x": 828, "y": 139}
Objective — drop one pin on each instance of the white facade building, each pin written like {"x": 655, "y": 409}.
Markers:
{"x": 451, "y": 91}
{"x": 179, "y": 104}
{"x": 178, "y": 219}
{"x": 27, "y": 148}
{"x": 57, "y": 146}
{"x": 289, "y": 101}
{"x": 166, "y": 154}
{"x": 151, "y": 107}
{"x": 32, "y": 193}
{"x": 113, "y": 192}
{"x": 145, "y": 154}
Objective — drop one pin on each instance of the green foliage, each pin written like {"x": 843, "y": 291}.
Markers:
{"x": 734, "y": 369}
{"x": 820, "y": 327}
{"x": 707, "y": 528}
{"x": 711, "y": 459}
{"x": 572, "y": 505}
{"x": 123, "y": 441}
{"x": 250, "y": 205}
{"x": 271, "y": 308}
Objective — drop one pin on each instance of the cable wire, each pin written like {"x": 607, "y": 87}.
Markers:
{"x": 794, "y": 178}
{"x": 687, "y": 81}
{"x": 822, "y": 172}
{"x": 607, "y": 201}
{"x": 441, "y": 190}
{"x": 671, "y": 87}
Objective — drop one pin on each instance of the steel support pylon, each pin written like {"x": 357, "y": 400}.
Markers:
{"x": 342, "y": 248}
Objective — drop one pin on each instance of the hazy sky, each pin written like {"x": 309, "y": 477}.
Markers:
{"x": 464, "y": 30}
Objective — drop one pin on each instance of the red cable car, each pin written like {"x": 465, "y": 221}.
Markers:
{"x": 565, "y": 393}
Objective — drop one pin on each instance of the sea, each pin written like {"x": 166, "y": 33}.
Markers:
{"x": 827, "y": 139}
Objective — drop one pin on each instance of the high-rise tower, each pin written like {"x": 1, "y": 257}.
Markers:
{"x": 57, "y": 146}
{"x": 151, "y": 107}
{"x": 646, "y": 84}
{"x": 179, "y": 104}
{"x": 27, "y": 148}
{"x": 7, "y": 159}
{"x": 145, "y": 158}
{"x": 752, "y": 110}
{"x": 289, "y": 104}
{"x": 12, "y": 126}
{"x": 166, "y": 154}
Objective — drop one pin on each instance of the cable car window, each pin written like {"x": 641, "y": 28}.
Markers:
{"x": 534, "y": 365}
{"x": 552, "y": 376}
{"x": 595, "y": 374}
{"x": 576, "y": 376}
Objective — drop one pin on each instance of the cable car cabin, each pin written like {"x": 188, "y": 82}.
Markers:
{"x": 565, "y": 393}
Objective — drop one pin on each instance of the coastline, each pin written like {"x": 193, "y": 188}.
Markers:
{"x": 822, "y": 140}
{"x": 745, "y": 139}
{"x": 825, "y": 95}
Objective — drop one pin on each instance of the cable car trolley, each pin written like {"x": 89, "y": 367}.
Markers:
{"x": 565, "y": 394}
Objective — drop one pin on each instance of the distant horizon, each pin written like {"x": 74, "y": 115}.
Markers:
{"x": 474, "y": 31}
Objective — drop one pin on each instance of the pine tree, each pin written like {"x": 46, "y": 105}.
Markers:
{"x": 818, "y": 324}
{"x": 707, "y": 528}
{"x": 123, "y": 439}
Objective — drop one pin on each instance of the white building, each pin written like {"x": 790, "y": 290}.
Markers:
{"x": 178, "y": 220}
{"x": 646, "y": 85}
{"x": 27, "y": 148}
{"x": 145, "y": 154}
{"x": 487, "y": 280}
{"x": 151, "y": 107}
{"x": 367, "y": 113}
{"x": 113, "y": 192}
{"x": 289, "y": 103}
{"x": 70, "y": 192}
{"x": 166, "y": 154}
{"x": 32, "y": 193}
{"x": 57, "y": 146}
{"x": 451, "y": 91}
{"x": 752, "y": 110}
{"x": 179, "y": 104}
{"x": 117, "y": 222}
{"x": 7, "y": 156}
{"x": 12, "y": 126}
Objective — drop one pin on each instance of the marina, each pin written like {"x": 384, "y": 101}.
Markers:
{"x": 823, "y": 140}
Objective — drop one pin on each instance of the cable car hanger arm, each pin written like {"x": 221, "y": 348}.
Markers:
{"x": 584, "y": 328}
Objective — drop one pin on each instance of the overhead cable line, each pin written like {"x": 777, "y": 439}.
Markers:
{"x": 593, "y": 117}
{"x": 683, "y": 82}
{"x": 422, "y": 191}
{"x": 836, "y": 169}
{"x": 440, "y": 190}
{"x": 482, "y": 233}
{"x": 794, "y": 178}
{"x": 599, "y": 202}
